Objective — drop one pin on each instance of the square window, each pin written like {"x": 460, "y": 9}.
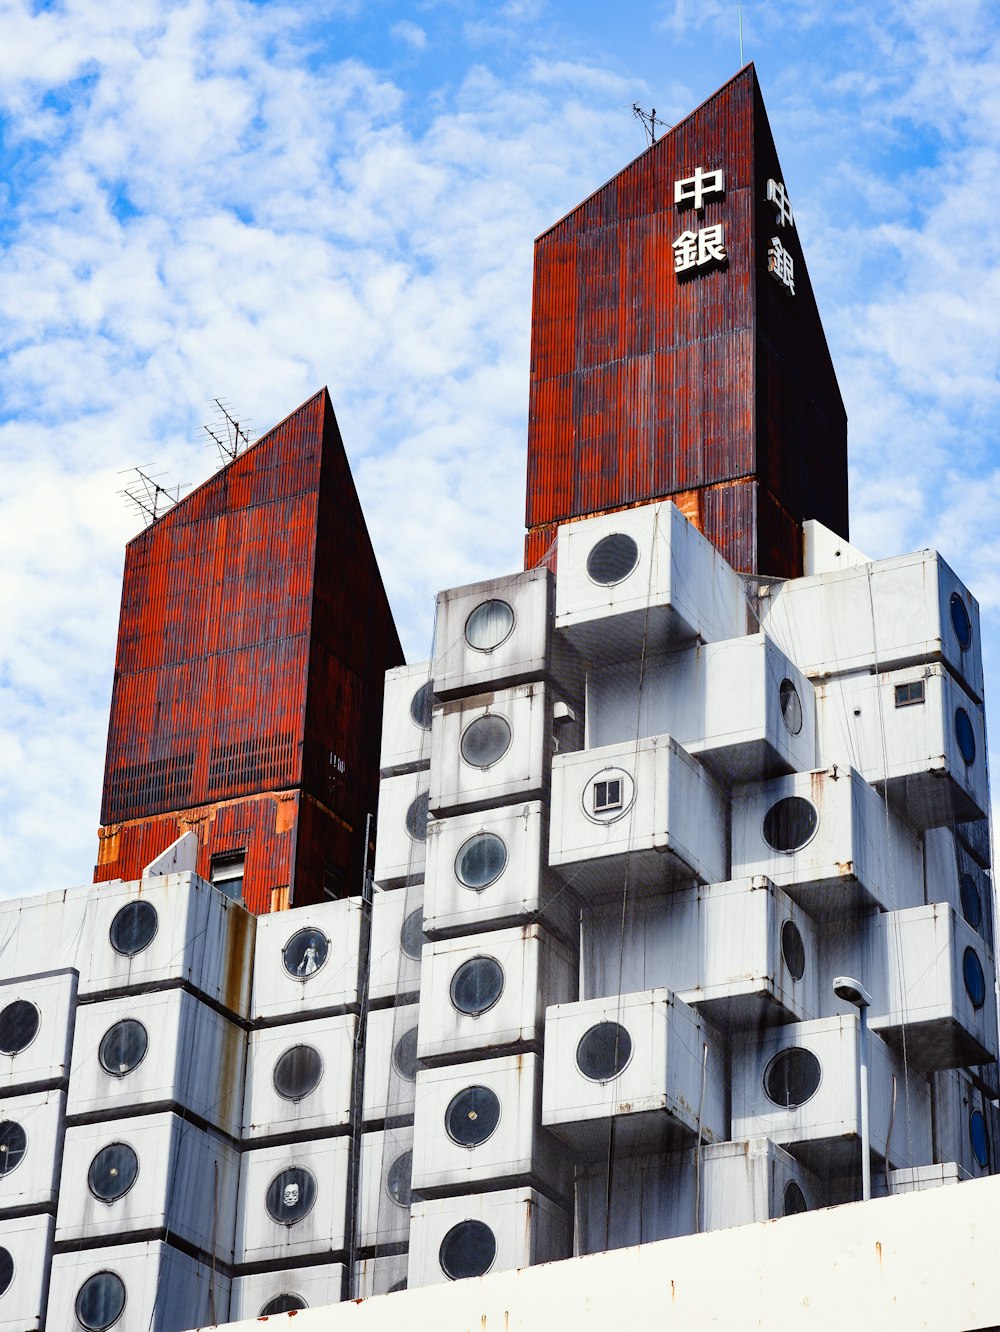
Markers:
{"x": 607, "y": 795}
{"x": 907, "y": 694}
{"x": 227, "y": 873}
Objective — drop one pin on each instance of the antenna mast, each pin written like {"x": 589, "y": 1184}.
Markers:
{"x": 145, "y": 494}
{"x": 227, "y": 434}
{"x": 649, "y": 122}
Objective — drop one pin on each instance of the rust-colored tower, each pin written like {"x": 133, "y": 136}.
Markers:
{"x": 662, "y": 368}
{"x": 247, "y": 704}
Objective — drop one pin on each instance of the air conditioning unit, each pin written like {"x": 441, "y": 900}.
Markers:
{"x": 646, "y": 805}
{"x": 169, "y": 929}
{"x": 455, "y": 1238}
{"x": 385, "y": 1274}
{"x": 46, "y": 927}
{"x": 31, "y": 1145}
{"x": 36, "y": 1030}
{"x": 390, "y": 1064}
{"x": 384, "y": 1196}
{"x": 306, "y": 961}
{"x": 125, "y": 1178}
{"x": 397, "y": 938}
{"x": 170, "y": 1050}
{"x": 827, "y": 839}
{"x": 151, "y": 1287}
{"x": 487, "y": 870}
{"x": 966, "y": 1124}
{"x": 477, "y": 1127}
{"x": 408, "y": 703}
{"x": 645, "y": 1063}
{"x": 643, "y": 577}
{"x": 798, "y": 1086}
{"x": 914, "y": 733}
{"x": 25, "y": 1255}
{"x": 497, "y": 634}
{"x": 299, "y": 1078}
{"x": 293, "y": 1201}
{"x": 879, "y": 616}
{"x": 402, "y": 829}
{"x": 290, "y": 1290}
{"x": 494, "y": 749}
{"x": 488, "y": 993}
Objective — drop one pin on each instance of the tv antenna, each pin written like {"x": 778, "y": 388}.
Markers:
{"x": 649, "y": 122}
{"x": 145, "y": 494}
{"x": 229, "y": 436}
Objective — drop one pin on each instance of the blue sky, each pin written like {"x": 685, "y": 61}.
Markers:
{"x": 251, "y": 200}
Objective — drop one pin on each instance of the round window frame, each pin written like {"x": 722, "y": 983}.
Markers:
{"x": 109, "y": 1202}
{"x": 982, "y": 1161}
{"x": 410, "y": 916}
{"x": 967, "y": 759}
{"x": 293, "y": 1221}
{"x": 500, "y": 641}
{"x": 467, "y": 1221}
{"x": 136, "y": 902}
{"x": 612, "y": 1077}
{"x": 12, "y": 1054}
{"x": 788, "y": 686}
{"x": 477, "y": 1013}
{"x": 266, "y": 1312}
{"x": 785, "y": 1052}
{"x": 797, "y": 1211}
{"x": 801, "y": 846}
{"x": 485, "y": 767}
{"x": 424, "y": 796}
{"x": 610, "y": 536}
{"x": 470, "y": 841}
{"x": 24, "y": 1151}
{"x": 13, "y": 1270}
{"x": 427, "y": 688}
{"x": 609, "y": 773}
{"x": 956, "y": 599}
{"x": 964, "y": 897}
{"x": 305, "y": 929}
{"x": 119, "y": 1073}
{"x": 100, "y": 1327}
{"x": 980, "y": 974}
{"x": 299, "y": 1045}
{"x": 787, "y": 926}
{"x": 385, "y": 1185}
{"x": 403, "y": 1036}
{"x": 473, "y": 1086}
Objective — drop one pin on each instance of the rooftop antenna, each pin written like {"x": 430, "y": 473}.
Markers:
{"x": 740, "y": 7}
{"x": 228, "y": 435}
{"x": 649, "y": 121}
{"x": 145, "y": 494}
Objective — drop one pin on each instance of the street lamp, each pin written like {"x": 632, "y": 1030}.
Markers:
{"x": 853, "y": 992}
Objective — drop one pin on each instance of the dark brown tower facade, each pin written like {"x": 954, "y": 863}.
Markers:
{"x": 254, "y": 638}
{"x": 677, "y": 350}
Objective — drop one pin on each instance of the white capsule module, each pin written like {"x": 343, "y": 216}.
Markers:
{"x": 646, "y": 808}
{"x": 385, "y": 1274}
{"x": 798, "y": 1086}
{"x": 478, "y": 1127}
{"x": 397, "y": 937}
{"x": 487, "y": 994}
{"x": 293, "y": 1201}
{"x": 494, "y": 749}
{"x": 163, "y": 930}
{"x": 498, "y": 633}
{"x": 403, "y": 825}
{"x": 879, "y": 616}
{"x": 292, "y": 1289}
{"x": 643, "y": 576}
{"x": 966, "y": 1124}
{"x": 37, "y": 1016}
{"x": 917, "y": 1179}
{"x": 487, "y": 870}
{"x": 827, "y": 839}
{"x": 46, "y": 932}
{"x": 306, "y": 961}
{"x": 25, "y": 1256}
{"x": 299, "y": 1078}
{"x": 914, "y": 733}
{"x": 386, "y": 1174}
{"x": 156, "y": 1287}
{"x": 170, "y": 1050}
{"x": 31, "y": 1148}
{"x": 455, "y": 1238}
{"x": 645, "y": 1064}
{"x": 149, "y": 1173}
{"x": 390, "y": 1063}
{"x": 407, "y": 706}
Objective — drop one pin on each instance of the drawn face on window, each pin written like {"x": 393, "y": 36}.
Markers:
{"x": 290, "y": 1195}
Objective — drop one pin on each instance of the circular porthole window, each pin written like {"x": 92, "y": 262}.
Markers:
{"x": 612, "y": 559}
{"x": 13, "y": 1145}
{"x": 123, "y": 1047}
{"x": 284, "y": 1303}
{"x": 416, "y": 818}
{"x": 133, "y": 928}
{"x": 290, "y": 1195}
{"x": 100, "y": 1301}
{"x": 792, "y": 1077}
{"x": 960, "y": 621}
{"x": 411, "y": 936}
{"x": 607, "y": 795}
{"x": 794, "y": 1200}
{"x": 604, "y": 1051}
{"x": 975, "y": 980}
{"x": 481, "y": 861}
{"x": 298, "y": 1072}
{"x": 6, "y": 1269}
{"x": 422, "y": 706}
{"x": 472, "y": 1116}
{"x": 790, "y": 824}
{"x": 978, "y": 1139}
{"x": 972, "y": 902}
{"x": 965, "y": 736}
{"x": 489, "y": 625}
{"x": 304, "y": 953}
{"x": 19, "y": 1023}
{"x": 477, "y": 985}
{"x": 793, "y": 950}
{"x": 468, "y": 1250}
{"x": 397, "y": 1179}
{"x": 791, "y": 707}
{"x": 404, "y": 1057}
{"x": 486, "y": 740}
{"x": 113, "y": 1171}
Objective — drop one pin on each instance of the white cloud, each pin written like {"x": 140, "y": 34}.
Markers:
{"x": 410, "y": 34}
